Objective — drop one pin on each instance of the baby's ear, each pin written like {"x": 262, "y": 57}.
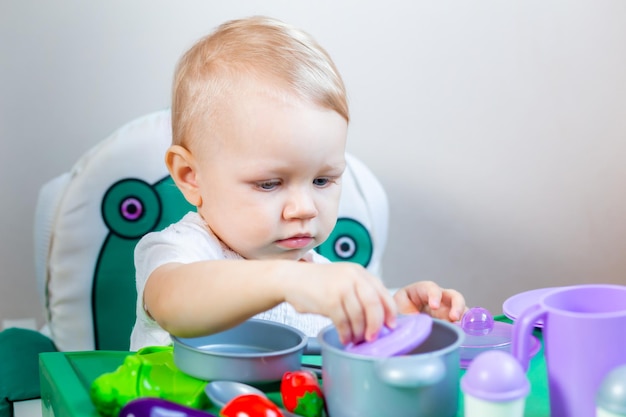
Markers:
{"x": 182, "y": 167}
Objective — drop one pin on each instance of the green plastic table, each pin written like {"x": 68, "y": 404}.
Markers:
{"x": 67, "y": 376}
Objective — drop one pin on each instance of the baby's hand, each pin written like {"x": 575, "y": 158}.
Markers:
{"x": 428, "y": 297}
{"x": 356, "y": 301}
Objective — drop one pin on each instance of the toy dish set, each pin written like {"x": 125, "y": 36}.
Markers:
{"x": 413, "y": 370}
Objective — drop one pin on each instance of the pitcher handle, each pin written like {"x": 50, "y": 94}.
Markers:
{"x": 525, "y": 323}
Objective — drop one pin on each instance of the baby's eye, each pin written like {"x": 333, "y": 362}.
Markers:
{"x": 321, "y": 182}
{"x": 268, "y": 185}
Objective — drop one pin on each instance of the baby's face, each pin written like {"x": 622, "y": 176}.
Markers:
{"x": 270, "y": 189}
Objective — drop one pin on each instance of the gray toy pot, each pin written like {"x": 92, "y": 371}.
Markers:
{"x": 423, "y": 383}
{"x": 255, "y": 351}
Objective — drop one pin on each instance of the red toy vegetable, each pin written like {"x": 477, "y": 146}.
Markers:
{"x": 250, "y": 405}
{"x": 301, "y": 393}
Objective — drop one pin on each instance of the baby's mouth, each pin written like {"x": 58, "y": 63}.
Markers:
{"x": 295, "y": 242}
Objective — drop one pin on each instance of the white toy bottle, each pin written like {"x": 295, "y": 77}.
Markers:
{"x": 495, "y": 385}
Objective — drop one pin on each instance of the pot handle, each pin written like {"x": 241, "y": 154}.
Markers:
{"x": 410, "y": 372}
{"x": 312, "y": 347}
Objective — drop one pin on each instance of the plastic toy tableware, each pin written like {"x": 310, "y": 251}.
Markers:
{"x": 584, "y": 339}
{"x": 516, "y": 304}
{"x": 255, "y": 351}
{"x": 221, "y": 392}
{"x": 495, "y": 385}
{"x": 611, "y": 398}
{"x": 483, "y": 334}
{"x": 410, "y": 332}
{"x": 422, "y": 383}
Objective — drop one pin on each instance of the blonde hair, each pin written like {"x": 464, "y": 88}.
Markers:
{"x": 260, "y": 49}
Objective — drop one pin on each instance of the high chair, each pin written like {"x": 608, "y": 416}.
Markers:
{"x": 89, "y": 219}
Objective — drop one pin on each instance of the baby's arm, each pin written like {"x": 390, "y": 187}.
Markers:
{"x": 428, "y": 297}
{"x": 206, "y": 297}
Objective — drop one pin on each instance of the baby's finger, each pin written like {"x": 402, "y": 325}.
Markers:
{"x": 389, "y": 305}
{"x": 356, "y": 317}
{"x": 457, "y": 303}
{"x": 405, "y": 304}
{"x": 390, "y": 311}
{"x": 435, "y": 294}
{"x": 373, "y": 311}
{"x": 342, "y": 324}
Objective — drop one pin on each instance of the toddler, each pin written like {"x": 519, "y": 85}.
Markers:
{"x": 259, "y": 127}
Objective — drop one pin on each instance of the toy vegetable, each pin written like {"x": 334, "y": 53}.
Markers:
{"x": 250, "y": 405}
{"x": 150, "y": 372}
{"x": 301, "y": 393}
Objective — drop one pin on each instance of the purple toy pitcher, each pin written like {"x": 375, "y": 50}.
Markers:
{"x": 584, "y": 336}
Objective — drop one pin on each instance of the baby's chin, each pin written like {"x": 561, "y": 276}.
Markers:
{"x": 292, "y": 255}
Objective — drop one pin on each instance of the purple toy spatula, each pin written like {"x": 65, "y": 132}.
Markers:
{"x": 410, "y": 332}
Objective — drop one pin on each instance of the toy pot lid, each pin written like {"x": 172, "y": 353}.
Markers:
{"x": 483, "y": 334}
{"x": 410, "y": 332}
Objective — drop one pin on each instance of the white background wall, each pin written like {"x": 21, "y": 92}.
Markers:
{"x": 497, "y": 127}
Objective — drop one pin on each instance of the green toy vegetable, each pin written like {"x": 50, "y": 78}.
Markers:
{"x": 150, "y": 372}
{"x": 301, "y": 393}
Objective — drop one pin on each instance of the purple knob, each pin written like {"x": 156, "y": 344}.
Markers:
{"x": 495, "y": 375}
{"x": 477, "y": 321}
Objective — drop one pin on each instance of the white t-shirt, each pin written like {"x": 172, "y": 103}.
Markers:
{"x": 190, "y": 240}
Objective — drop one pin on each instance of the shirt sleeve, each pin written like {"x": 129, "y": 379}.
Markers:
{"x": 184, "y": 242}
